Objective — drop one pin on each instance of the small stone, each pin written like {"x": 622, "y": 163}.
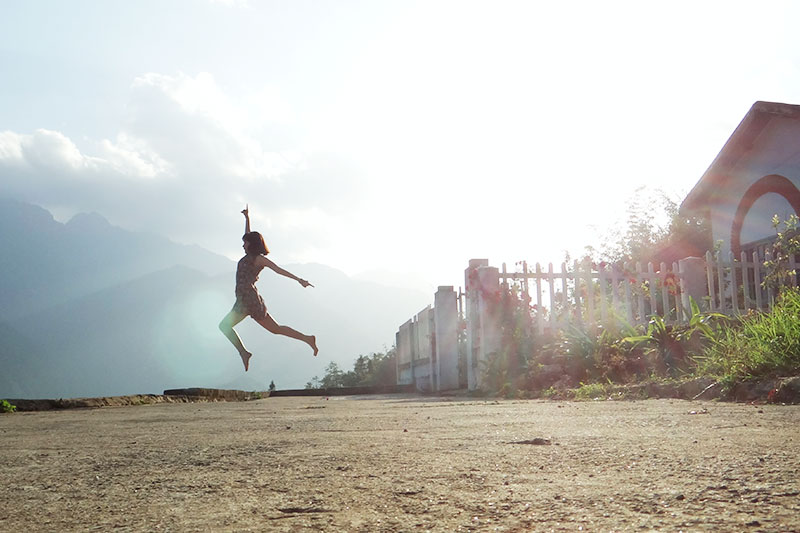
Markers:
{"x": 538, "y": 441}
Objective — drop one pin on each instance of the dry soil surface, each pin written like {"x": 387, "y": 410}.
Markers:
{"x": 403, "y": 463}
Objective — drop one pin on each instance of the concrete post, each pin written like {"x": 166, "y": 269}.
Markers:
{"x": 424, "y": 376}
{"x": 488, "y": 296}
{"x": 405, "y": 363}
{"x": 693, "y": 282}
{"x": 398, "y": 342}
{"x": 445, "y": 317}
{"x": 472, "y": 317}
{"x": 414, "y": 342}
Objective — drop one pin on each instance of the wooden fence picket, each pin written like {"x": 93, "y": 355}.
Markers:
{"x": 628, "y": 301}
{"x": 564, "y": 295}
{"x": 757, "y": 279}
{"x": 712, "y": 299}
{"x": 653, "y": 286}
{"x": 745, "y": 281}
{"x": 601, "y": 277}
{"x": 589, "y": 296}
{"x": 734, "y": 284}
{"x": 539, "y": 305}
{"x": 640, "y": 292}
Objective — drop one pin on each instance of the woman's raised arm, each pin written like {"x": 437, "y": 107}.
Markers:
{"x": 246, "y": 213}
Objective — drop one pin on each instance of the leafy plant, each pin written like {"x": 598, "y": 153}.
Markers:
{"x": 502, "y": 373}
{"x": 598, "y": 352}
{"x": 762, "y": 344}
{"x": 7, "y": 407}
{"x": 668, "y": 341}
{"x": 786, "y": 245}
{"x": 590, "y": 391}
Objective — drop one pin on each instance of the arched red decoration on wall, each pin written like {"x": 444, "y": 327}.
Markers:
{"x": 767, "y": 184}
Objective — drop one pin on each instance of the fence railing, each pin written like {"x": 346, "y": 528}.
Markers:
{"x": 591, "y": 293}
{"x": 588, "y": 293}
{"x": 737, "y": 286}
{"x": 579, "y": 294}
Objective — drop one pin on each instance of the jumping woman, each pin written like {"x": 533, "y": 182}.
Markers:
{"x": 249, "y": 302}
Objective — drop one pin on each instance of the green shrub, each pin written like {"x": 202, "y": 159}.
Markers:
{"x": 591, "y": 391}
{"x": 6, "y": 407}
{"x": 672, "y": 344}
{"x": 761, "y": 345}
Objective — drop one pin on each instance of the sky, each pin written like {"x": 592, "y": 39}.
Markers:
{"x": 396, "y": 137}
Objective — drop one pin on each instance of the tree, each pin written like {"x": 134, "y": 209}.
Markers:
{"x": 655, "y": 230}
{"x": 333, "y": 376}
{"x": 377, "y": 369}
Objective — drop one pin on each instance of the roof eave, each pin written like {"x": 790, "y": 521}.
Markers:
{"x": 740, "y": 141}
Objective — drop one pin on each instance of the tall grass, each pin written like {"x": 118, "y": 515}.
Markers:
{"x": 761, "y": 345}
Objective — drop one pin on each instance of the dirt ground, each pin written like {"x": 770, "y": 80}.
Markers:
{"x": 403, "y": 463}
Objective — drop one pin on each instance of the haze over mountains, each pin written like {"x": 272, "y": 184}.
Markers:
{"x": 90, "y": 309}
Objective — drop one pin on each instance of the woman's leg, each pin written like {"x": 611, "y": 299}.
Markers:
{"x": 270, "y": 325}
{"x": 226, "y": 327}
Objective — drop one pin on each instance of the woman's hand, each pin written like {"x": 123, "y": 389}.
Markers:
{"x": 246, "y": 211}
{"x": 304, "y": 283}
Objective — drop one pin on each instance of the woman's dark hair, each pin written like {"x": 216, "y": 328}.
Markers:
{"x": 257, "y": 245}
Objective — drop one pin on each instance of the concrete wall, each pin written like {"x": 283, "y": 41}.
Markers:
{"x": 427, "y": 345}
{"x": 774, "y": 152}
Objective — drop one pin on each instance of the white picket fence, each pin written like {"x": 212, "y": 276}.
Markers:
{"x": 592, "y": 293}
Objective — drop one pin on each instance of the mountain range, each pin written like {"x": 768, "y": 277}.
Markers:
{"x": 90, "y": 309}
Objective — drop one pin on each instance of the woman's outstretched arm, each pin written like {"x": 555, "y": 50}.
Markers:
{"x": 263, "y": 261}
{"x": 246, "y": 213}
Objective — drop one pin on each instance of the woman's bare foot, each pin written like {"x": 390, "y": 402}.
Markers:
{"x": 313, "y": 343}
{"x": 246, "y": 359}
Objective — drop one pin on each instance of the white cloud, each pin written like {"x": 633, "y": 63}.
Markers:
{"x": 11, "y": 149}
{"x": 197, "y": 96}
{"x": 193, "y": 124}
{"x": 54, "y": 150}
{"x": 133, "y": 157}
{"x": 55, "y": 154}
{"x": 231, "y": 3}
{"x": 191, "y": 156}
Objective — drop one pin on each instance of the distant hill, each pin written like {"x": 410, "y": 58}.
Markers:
{"x": 158, "y": 330}
{"x": 131, "y": 338}
{"x": 44, "y": 262}
{"x": 21, "y": 364}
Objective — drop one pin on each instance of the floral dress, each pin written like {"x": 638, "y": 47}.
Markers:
{"x": 248, "y": 301}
